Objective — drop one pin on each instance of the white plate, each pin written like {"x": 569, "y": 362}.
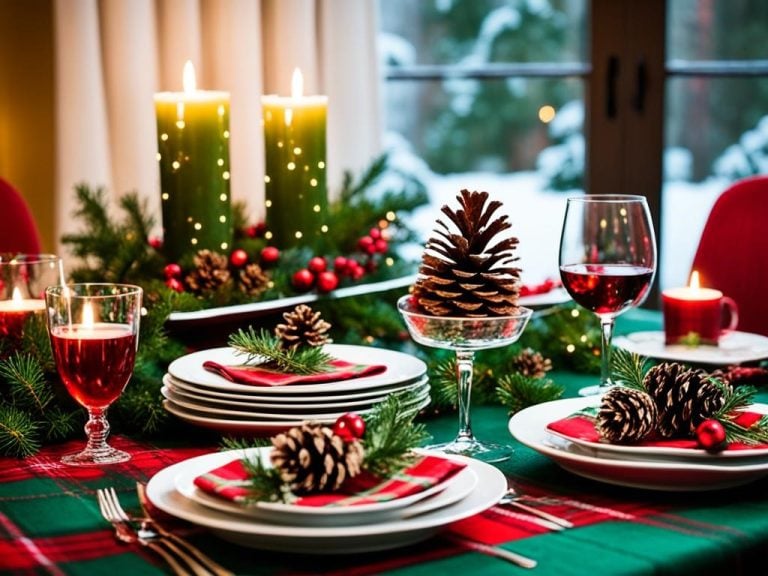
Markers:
{"x": 162, "y": 492}
{"x": 735, "y": 348}
{"x": 529, "y": 426}
{"x": 608, "y": 450}
{"x": 276, "y": 412}
{"x": 250, "y": 426}
{"x": 190, "y": 391}
{"x": 400, "y": 368}
{"x": 438, "y": 496}
{"x": 554, "y": 296}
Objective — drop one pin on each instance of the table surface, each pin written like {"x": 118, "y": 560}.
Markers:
{"x": 50, "y": 522}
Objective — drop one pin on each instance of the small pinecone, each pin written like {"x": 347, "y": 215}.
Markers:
{"x": 311, "y": 458}
{"x": 532, "y": 364}
{"x": 253, "y": 280}
{"x": 302, "y": 327}
{"x": 211, "y": 271}
{"x": 469, "y": 273}
{"x": 626, "y": 415}
{"x": 684, "y": 398}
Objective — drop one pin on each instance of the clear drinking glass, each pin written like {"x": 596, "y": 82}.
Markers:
{"x": 465, "y": 336}
{"x": 94, "y": 331}
{"x": 607, "y": 261}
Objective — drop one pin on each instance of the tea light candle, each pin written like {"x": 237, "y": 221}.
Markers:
{"x": 295, "y": 180}
{"x": 193, "y": 144}
{"x": 692, "y": 313}
{"x": 15, "y": 312}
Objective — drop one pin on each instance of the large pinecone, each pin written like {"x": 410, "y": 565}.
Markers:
{"x": 211, "y": 271}
{"x": 469, "y": 273}
{"x": 311, "y": 458}
{"x": 253, "y": 280}
{"x": 626, "y": 415}
{"x": 684, "y": 398}
{"x": 302, "y": 327}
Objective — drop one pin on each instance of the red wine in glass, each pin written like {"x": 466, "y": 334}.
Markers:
{"x": 96, "y": 363}
{"x": 606, "y": 288}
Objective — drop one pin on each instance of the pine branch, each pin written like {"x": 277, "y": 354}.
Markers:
{"x": 264, "y": 346}
{"x": 18, "y": 433}
{"x": 628, "y": 368}
{"x": 26, "y": 382}
{"x": 516, "y": 391}
{"x": 59, "y": 423}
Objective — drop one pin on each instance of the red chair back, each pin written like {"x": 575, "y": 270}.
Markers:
{"x": 18, "y": 232}
{"x": 733, "y": 251}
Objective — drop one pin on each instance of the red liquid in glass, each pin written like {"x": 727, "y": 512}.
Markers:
{"x": 606, "y": 288}
{"x": 96, "y": 362}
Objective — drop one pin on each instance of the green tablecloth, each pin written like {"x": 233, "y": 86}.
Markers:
{"x": 49, "y": 520}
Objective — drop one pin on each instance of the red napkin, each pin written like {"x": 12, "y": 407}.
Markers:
{"x": 258, "y": 376}
{"x": 581, "y": 426}
{"x": 230, "y": 482}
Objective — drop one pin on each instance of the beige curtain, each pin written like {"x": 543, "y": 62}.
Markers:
{"x": 112, "y": 55}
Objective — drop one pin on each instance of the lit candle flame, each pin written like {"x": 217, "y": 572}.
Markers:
{"x": 190, "y": 81}
{"x": 297, "y": 84}
{"x": 694, "y": 280}
{"x": 88, "y": 315}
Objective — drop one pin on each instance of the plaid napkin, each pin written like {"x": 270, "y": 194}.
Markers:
{"x": 259, "y": 376}
{"x": 230, "y": 482}
{"x": 581, "y": 426}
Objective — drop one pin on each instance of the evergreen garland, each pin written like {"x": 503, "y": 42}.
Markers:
{"x": 517, "y": 391}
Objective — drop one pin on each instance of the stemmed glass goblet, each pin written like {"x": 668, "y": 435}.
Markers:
{"x": 465, "y": 336}
{"x": 607, "y": 261}
{"x": 94, "y": 331}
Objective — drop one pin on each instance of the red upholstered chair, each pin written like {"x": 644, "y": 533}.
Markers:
{"x": 733, "y": 251}
{"x": 18, "y": 232}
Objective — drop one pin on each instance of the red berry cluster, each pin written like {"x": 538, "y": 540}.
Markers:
{"x": 315, "y": 274}
{"x": 374, "y": 243}
{"x": 349, "y": 427}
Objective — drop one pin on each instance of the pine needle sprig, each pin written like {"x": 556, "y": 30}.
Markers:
{"x": 26, "y": 382}
{"x": 18, "y": 432}
{"x": 264, "y": 348}
{"x": 517, "y": 391}
{"x": 628, "y": 368}
{"x": 734, "y": 400}
{"x": 59, "y": 423}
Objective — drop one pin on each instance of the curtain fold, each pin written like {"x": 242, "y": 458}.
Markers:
{"x": 112, "y": 55}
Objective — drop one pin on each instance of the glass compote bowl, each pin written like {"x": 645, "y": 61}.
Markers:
{"x": 465, "y": 336}
{"x": 94, "y": 331}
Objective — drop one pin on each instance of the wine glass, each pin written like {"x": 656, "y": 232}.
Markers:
{"x": 94, "y": 331}
{"x": 607, "y": 261}
{"x": 465, "y": 336}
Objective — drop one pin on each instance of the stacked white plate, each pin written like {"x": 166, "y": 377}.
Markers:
{"x": 324, "y": 530}
{"x": 653, "y": 468}
{"x": 205, "y": 399}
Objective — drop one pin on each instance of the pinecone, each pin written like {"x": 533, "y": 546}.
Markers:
{"x": 532, "y": 364}
{"x": 302, "y": 327}
{"x": 684, "y": 398}
{"x": 253, "y": 280}
{"x": 626, "y": 415}
{"x": 469, "y": 273}
{"x": 211, "y": 271}
{"x": 311, "y": 458}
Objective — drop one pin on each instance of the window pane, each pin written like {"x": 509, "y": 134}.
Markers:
{"x": 475, "y": 32}
{"x": 717, "y": 30}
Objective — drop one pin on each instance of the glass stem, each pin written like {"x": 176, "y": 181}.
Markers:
{"x": 97, "y": 430}
{"x": 464, "y": 369}
{"x": 606, "y": 331}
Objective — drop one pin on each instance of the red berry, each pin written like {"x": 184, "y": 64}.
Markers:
{"x": 303, "y": 279}
{"x": 256, "y": 230}
{"x": 357, "y": 272}
{"x": 175, "y": 284}
{"x": 340, "y": 265}
{"x": 238, "y": 258}
{"x": 270, "y": 255}
{"x": 172, "y": 271}
{"x": 366, "y": 244}
{"x": 327, "y": 281}
{"x": 317, "y": 264}
{"x": 710, "y": 435}
{"x": 349, "y": 426}
{"x": 156, "y": 242}
{"x": 375, "y": 233}
{"x": 381, "y": 245}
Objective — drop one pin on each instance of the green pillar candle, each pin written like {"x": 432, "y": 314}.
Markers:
{"x": 193, "y": 144}
{"x": 295, "y": 182}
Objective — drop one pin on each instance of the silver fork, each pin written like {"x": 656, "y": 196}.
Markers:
{"x": 511, "y": 498}
{"x": 113, "y": 512}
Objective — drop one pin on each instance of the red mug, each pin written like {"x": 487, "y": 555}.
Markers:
{"x": 697, "y": 315}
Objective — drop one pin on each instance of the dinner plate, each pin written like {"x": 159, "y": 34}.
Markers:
{"x": 254, "y": 533}
{"x": 554, "y": 296}
{"x": 401, "y": 367}
{"x": 299, "y": 402}
{"x": 529, "y": 426}
{"x": 438, "y": 496}
{"x": 734, "y": 348}
{"x": 254, "y": 426}
{"x": 608, "y": 450}
{"x": 276, "y": 412}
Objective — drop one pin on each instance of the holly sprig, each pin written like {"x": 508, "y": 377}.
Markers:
{"x": 266, "y": 349}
